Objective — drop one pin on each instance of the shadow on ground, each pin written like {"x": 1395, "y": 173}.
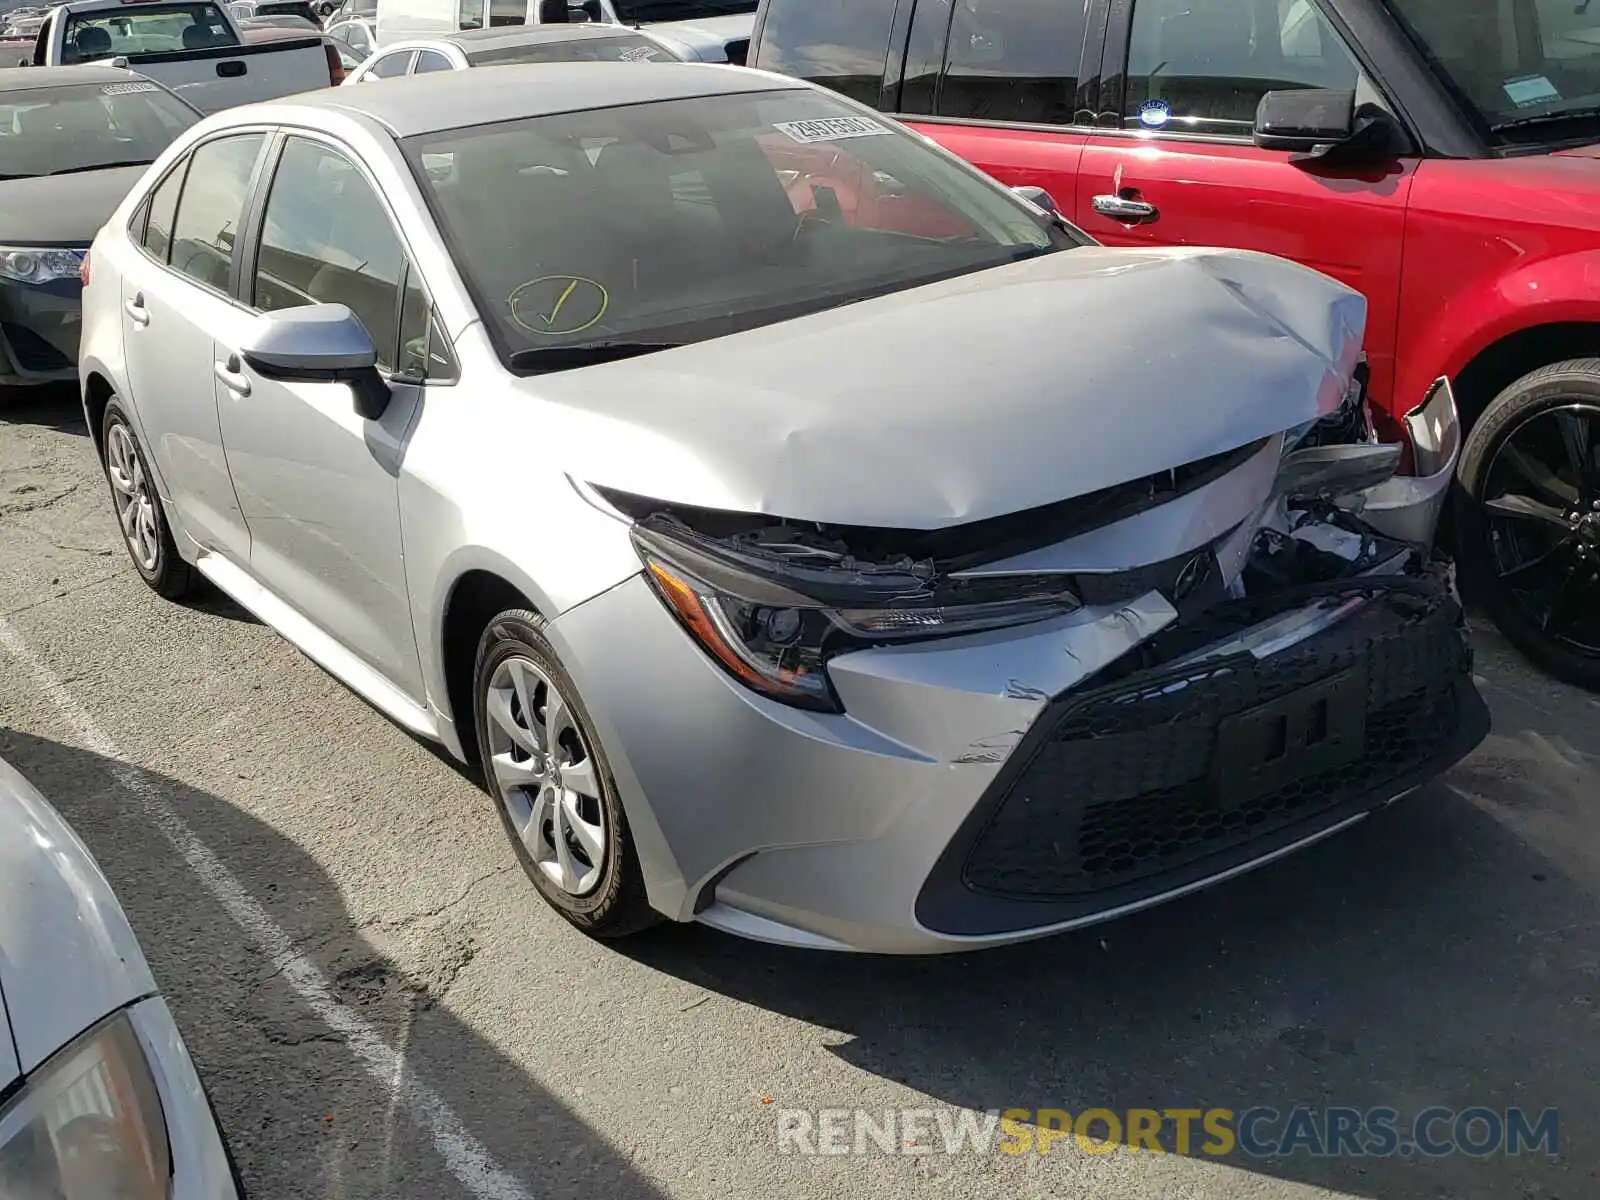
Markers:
{"x": 54, "y": 406}
{"x": 345, "y": 1137}
{"x": 1446, "y": 952}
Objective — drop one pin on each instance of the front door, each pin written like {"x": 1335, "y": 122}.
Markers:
{"x": 316, "y": 481}
{"x": 1185, "y": 76}
{"x": 174, "y": 295}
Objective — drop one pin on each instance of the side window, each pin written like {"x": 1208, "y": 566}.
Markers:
{"x": 327, "y": 239}
{"x": 840, "y": 44}
{"x": 212, "y": 204}
{"x": 390, "y": 66}
{"x": 429, "y": 61}
{"x": 471, "y": 14}
{"x": 508, "y": 12}
{"x": 425, "y": 354}
{"x": 1205, "y": 64}
{"x": 162, "y": 208}
{"x": 1013, "y": 60}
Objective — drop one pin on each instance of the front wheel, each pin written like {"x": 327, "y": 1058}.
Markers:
{"x": 544, "y": 766}
{"x": 1528, "y": 517}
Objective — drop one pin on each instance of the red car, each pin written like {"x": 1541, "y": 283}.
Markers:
{"x": 1443, "y": 156}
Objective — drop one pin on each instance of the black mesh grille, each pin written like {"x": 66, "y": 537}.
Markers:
{"x": 1137, "y": 779}
{"x": 32, "y": 352}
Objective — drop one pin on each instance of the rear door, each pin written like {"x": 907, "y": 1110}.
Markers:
{"x": 175, "y": 297}
{"x": 1175, "y": 164}
{"x": 1002, "y": 83}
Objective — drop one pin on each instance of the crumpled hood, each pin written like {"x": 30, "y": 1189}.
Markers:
{"x": 973, "y": 397}
{"x": 62, "y": 210}
{"x": 68, "y": 956}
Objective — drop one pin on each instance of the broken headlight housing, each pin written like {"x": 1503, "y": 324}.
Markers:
{"x": 773, "y": 606}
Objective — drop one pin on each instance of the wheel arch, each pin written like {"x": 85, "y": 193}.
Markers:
{"x": 97, "y": 393}
{"x": 1502, "y": 362}
{"x": 475, "y": 596}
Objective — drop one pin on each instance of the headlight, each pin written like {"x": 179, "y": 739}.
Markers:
{"x": 773, "y": 622}
{"x": 88, "y": 1125}
{"x": 39, "y": 266}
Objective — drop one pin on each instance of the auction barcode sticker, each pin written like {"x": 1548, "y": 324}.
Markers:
{"x": 831, "y": 129}
{"x": 127, "y": 89}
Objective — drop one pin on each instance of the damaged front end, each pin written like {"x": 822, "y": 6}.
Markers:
{"x": 773, "y": 601}
{"x": 1145, "y": 689}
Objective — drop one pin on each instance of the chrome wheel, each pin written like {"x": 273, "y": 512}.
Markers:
{"x": 1542, "y": 502}
{"x": 545, "y": 776}
{"x": 130, "y": 489}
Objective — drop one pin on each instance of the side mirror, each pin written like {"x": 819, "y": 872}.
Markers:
{"x": 553, "y": 12}
{"x": 1325, "y": 125}
{"x": 318, "y": 343}
{"x": 1038, "y": 197}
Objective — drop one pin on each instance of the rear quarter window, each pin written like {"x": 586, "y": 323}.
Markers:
{"x": 839, "y": 44}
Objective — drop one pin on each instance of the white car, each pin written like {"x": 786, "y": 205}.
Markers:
{"x": 506, "y": 47}
{"x": 98, "y": 1095}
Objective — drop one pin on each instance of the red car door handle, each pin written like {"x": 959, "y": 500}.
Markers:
{"x": 1122, "y": 209}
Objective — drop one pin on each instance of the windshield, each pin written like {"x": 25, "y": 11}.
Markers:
{"x": 50, "y": 131}
{"x": 147, "y": 29}
{"x": 687, "y": 219}
{"x": 1529, "y": 69}
{"x": 625, "y": 47}
{"x": 631, "y": 12}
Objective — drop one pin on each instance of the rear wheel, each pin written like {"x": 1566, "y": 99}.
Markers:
{"x": 548, "y": 774}
{"x": 1528, "y": 517}
{"x": 139, "y": 515}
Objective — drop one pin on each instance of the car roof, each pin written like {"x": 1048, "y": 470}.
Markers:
{"x": 532, "y": 35}
{"x": 16, "y": 80}
{"x": 418, "y": 104}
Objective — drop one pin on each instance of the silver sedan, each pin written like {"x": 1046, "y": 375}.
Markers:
{"x": 806, "y": 535}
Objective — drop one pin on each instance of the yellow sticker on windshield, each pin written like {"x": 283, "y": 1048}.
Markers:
{"x": 558, "y": 305}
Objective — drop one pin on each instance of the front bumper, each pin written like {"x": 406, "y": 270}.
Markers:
{"x": 959, "y": 800}
{"x": 39, "y": 330}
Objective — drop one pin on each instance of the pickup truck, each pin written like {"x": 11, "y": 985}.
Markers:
{"x": 192, "y": 46}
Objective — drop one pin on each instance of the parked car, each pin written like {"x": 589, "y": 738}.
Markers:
{"x": 98, "y": 1094}
{"x": 245, "y": 10}
{"x": 1441, "y": 157}
{"x": 73, "y": 140}
{"x": 191, "y": 46}
{"x": 577, "y": 424}
{"x": 355, "y": 34}
{"x": 698, "y": 30}
{"x": 502, "y": 47}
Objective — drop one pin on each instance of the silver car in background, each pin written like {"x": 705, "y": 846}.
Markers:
{"x": 806, "y": 534}
{"x": 98, "y": 1095}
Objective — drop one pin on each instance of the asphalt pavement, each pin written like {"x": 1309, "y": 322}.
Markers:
{"x": 381, "y": 1006}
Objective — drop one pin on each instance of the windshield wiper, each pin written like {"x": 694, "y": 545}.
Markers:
{"x": 586, "y": 354}
{"x": 1569, "y": 114}
{"x": 104, "y": 166}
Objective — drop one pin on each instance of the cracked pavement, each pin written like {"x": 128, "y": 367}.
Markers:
{"x": 1446, "y": 952}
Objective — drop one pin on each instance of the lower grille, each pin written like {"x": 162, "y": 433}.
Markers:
{"x": 1141, "y": 780}
{"x": 31, "y": 352}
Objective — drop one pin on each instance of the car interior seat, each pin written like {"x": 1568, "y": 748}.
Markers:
{"x": 91, "y": 42}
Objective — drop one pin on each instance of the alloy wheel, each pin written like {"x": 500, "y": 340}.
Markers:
{"x": 130, "y": 489}
{"x": 545, "y": 775}
{"x": 1542, "y": 502}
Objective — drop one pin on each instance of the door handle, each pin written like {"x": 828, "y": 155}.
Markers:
{"x": 1120, "y": 208}
{"x": 232, "y": 375}
{"x": 137, "y": 312}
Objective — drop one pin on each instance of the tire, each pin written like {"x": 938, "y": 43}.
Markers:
{"x": 1549, "y": 613}
{"x": 147, "y": 539}
{"x": 515, "y": 660}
